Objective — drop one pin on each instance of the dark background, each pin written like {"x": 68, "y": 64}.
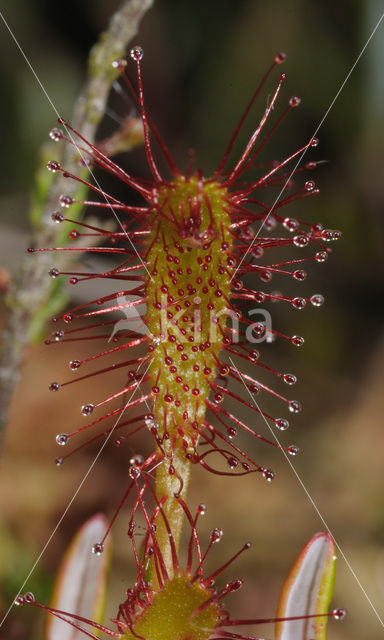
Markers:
{"x": 202, "y": 62}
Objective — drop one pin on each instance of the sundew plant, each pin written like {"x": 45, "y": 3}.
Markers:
{"x": 186, "y": 268}
{"x": 185, "y": 249}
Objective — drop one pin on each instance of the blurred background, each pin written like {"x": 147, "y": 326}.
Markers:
{"x": 202, "y": 62}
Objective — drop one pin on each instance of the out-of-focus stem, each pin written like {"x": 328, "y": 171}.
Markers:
{"x": 30, "y": 299}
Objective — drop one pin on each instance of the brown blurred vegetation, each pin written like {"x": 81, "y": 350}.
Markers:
{"x": 202, "y": 61}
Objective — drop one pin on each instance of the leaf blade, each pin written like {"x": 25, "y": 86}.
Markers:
{"x": 307, "y": 590}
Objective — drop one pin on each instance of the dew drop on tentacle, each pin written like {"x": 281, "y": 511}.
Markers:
{"x": 62, "y": 439}
{"x": 293, "y": 450}
{"x": 54, "y": 386}
{"x": 29, "y": 597}
{"x": 280, "y": 57}
{"x": 232, "y": 462}
{"x": 282, "y": 424}
{"x": 137, "y": 53}
{"x": 268, "y": 475}
{"x": 289, "y": 378}
{"x": 74, "y": 364}
{"x": 339, "y": 614}
{"x": 65, "y": 200}
{"x": 53, "y": 166}
{"x": 299, "y": 303}
{"x": 317, "y": 300}
{"x": 299, "y": 275}
{"x": 87, "y": 409}
{"x": 294, "y": 406}
{"x": 291, "y": 224}
{"x": 53, "y": 273}
{"x": 321, "y": 256}
{"x": 134, "y": 472}
{"x": 57, "y": 217}
{"x": 55, "y": 134}
{"x": 301, "y": 240}
{"x": 294, "y": 101}
{"x": 137, "y": 460}
{"x": 216, "y": 535}
{"x": 98, "y": 549}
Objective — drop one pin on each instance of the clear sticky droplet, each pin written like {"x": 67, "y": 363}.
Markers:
{"x": 268, "y": 475}
{"x": 54, "y": 386}
{"x": 59, "y": 462}
{"x": 53, "y": 273}
{"x": 216, "y": 535}
{"x": 65, "y": 201}
{"x": 300, "y": 275}
{"x": 317, "y": 300}
{"x": 57, "y": 217}
{"x": 29, "y": 597}
{"x": 289, "y": 378}
{"x": 321, "y": 256}
{"x": 327, "y": 235}
{"x": 201, "y": 509}
{"x": 137, "y": 53}
{"x": 134, "y": 472}
{"x": 62, "y": 439}
{"x": 280, "y": 57}
{"x": 294, "y": 101}
{"x": 282, "y": 424}
{"x": 339, "y": 614}
{"x": 137, "y": 460}
{"x": 74, "y": 364}
{"x": 301, "y": 240}
{"x": 98, "y": 549}
{"x": 293, "y": 450}
{"x": 291, "y": 224}
{"x": 309, "y": 185}
{"x": 294, "y": 406}
{"x": 53, "y": 166}
{"x": 87, "y": 409}
{"x": 120, "y": 63}
{"x": 55, "y": 134}
{"x": 232, "y": 462}
{"x": 298, "y": 341}
{"x": 299, "y": 303}
{"x": 19, "y": 601}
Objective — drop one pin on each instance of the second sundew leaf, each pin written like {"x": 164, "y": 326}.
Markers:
{"x": 308, "y": 590}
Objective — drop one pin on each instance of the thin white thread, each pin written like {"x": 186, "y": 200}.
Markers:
{"x": 306, "y": 149}
{"x": 314, "y": 505}
{"x": 73, "y": 497}
{"x": 69, "y": 133}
